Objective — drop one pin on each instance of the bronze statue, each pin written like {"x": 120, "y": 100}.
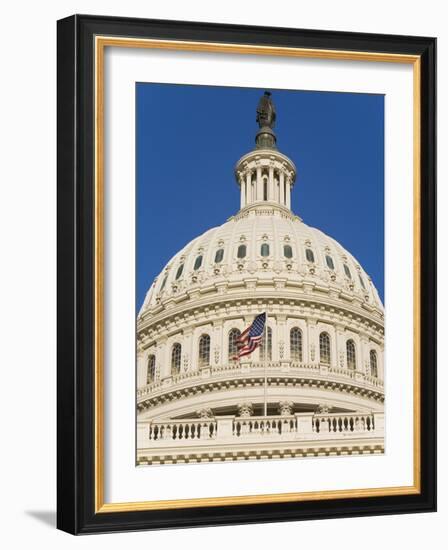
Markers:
{"x": 266, "y": 111}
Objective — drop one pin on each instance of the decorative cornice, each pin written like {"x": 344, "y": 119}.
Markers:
{"x": 224, "y": 380}
{"x": 224, "y": 307}
{"x": 373, "y": 447}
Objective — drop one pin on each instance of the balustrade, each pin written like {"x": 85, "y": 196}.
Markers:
{"x": 275, "y": 367}
{"x": 264, "y": 426}
{"x": 340, "y": 423}
{"x": 300, "y": 426}
{"x": 180, "y": 430}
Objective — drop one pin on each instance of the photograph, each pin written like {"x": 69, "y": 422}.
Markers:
{"x": 260, "y": 306}
{"x": 246, "y": 274}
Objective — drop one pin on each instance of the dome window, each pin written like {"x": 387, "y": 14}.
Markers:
{"x": 151, "y": 372}
{"x": 330, "y": 262}
{"x": 264, "y": 250}
{"x": 176, "y": 354}
{"x": 197, "y": 263}
{"x": 204, "y": 350}
{"x": 351, "y": 355}
{"x": 241, "y": 251}
{"x": 219, "y": 255}
{"x": 179, "y": 272}
{"x": 373, "y": 364}
{"x": 324, "y": 348}
{"x": 287, "y": 251}
{"x": 295, "y": 344}
{"x": 347, "y": 271}
{"x": 234, "y": 334}
{"x": 265, "y": 189}
{"x": 361, "y": 280}
{"x": 309, "y": 255}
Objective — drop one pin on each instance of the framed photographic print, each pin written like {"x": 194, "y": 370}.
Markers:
{"x": 246, "y": 267}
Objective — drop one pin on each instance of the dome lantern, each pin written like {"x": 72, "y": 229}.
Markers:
{"x": 265, "y": 175}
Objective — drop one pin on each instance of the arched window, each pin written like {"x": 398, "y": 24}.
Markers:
{"x": 263, "y": 347}
{"x": 151, "y": 372}
{"x": 309, "y": 255}
{"x": 204, "y": 350}
{"x": 197, "y": 263}
{"x": 361, "y": 280}
{"x": 242, "y": 249}
{"x": 287, "y": 251}
{"x": 176, "y": 353}
{"x": 295, "y": 344}
{"x": 373, "y": 363}
{"x": 219, "y": 255}
{"x": 347, "y": 271}
{"x": 265, "y": 189}
{"x": 234, "y": 334}
{"x": 351, "y": 355}
{"x": 264, "y": 251}
{"x": 329, "y": 261}
{"x": 324, "y": 348}
{"x": 179, "y": 271}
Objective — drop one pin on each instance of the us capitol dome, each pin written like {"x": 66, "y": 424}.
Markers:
{"x": 314, "y": 387}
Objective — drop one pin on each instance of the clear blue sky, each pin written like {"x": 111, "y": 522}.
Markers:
{"x": 190, "y": 137}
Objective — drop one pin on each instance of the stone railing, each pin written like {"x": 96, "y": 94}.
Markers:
{"x": 234, "y": 430}
{"x": 262, "y": 426}
{"x": 343, "y": 423}
{"x": 182, "y": 430}
{"x": 274, "y": 368}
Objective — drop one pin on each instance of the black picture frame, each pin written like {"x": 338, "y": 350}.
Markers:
{"x": 76, "y": 512}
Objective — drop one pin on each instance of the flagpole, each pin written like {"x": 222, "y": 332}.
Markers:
{"x": 265, "y": 364}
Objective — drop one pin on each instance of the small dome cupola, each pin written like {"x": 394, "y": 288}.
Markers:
{"x": 265, "y": 175}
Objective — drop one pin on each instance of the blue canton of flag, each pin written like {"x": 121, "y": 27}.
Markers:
{"x": 250, "y": 339}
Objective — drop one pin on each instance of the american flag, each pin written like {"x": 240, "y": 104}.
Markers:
{"x": 250, "y": 339}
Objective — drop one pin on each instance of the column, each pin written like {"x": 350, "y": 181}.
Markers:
{"x": 258, "y": 185}
{"x": 248, "y": 187}
{"x": 216, "y": 351}
{"x": 279, "y": 352}
{"x": 188, "y": 351}
{"x": 313, "y": 343}
{"x": 271, "y": 183}
{"x": 242, "y": 189}
{"x": 165, "y": 359}
{"x": 285, "y": 408}
{"x": 341, "y": 360}
{"x": 245, "y": 409}
{"x": 141, "y": 370}
{"x": 282, "y": 188}
{"x": 288, "y": 191}
{"x": 160, "y": 360}
{"x": 276, "y": 189}
{"x": 380, "y": 359}
{"x": 363, "y": 365}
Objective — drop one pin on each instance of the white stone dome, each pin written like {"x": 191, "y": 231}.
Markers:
{"x": 319, "y": 368}
{"x": 328, "y": 267}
